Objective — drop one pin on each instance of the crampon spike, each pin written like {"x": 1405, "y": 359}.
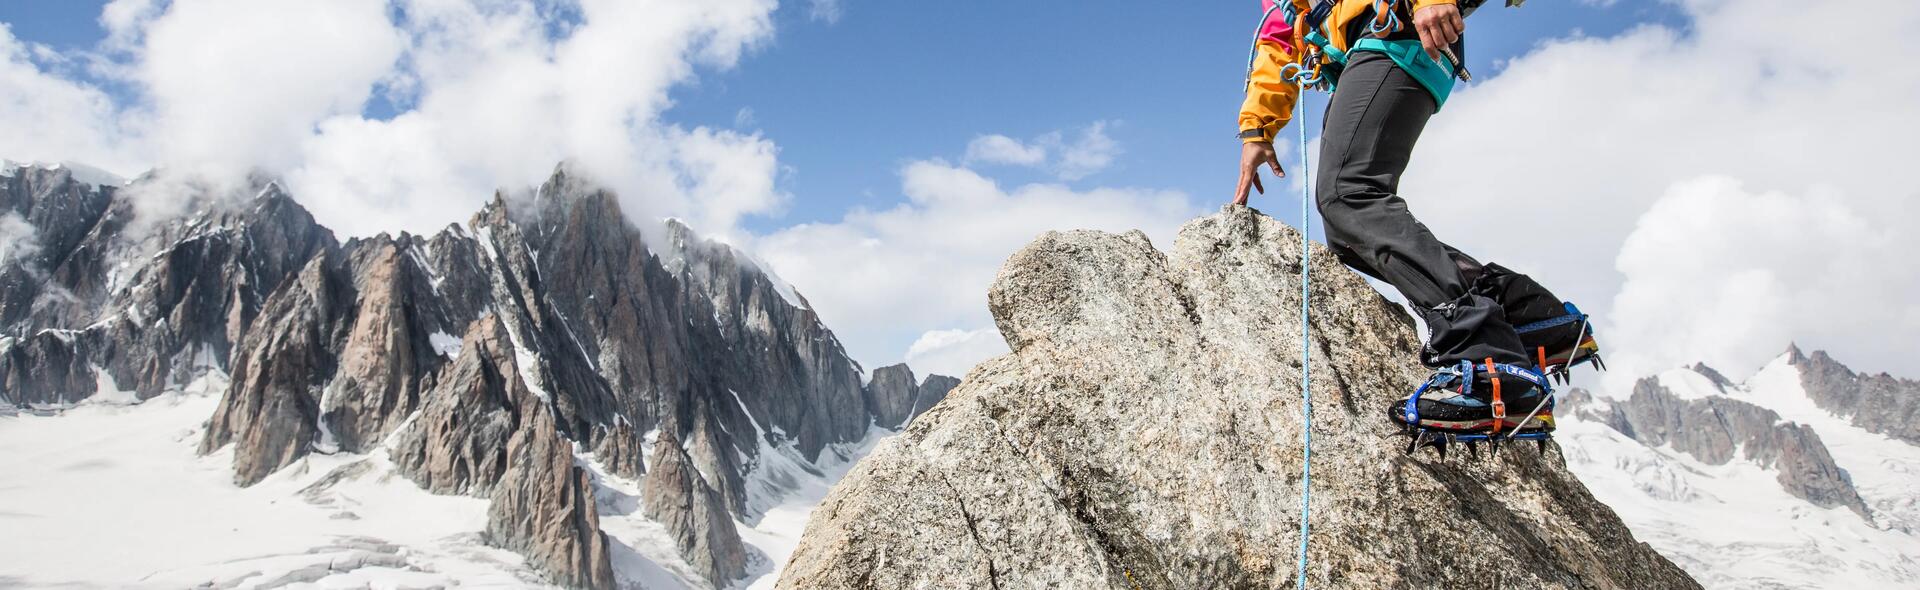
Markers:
{"x": 1542, "y": 445}
{"x": 1473, "y": 448}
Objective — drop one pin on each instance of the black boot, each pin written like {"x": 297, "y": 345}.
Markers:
{"x": 1554, "y": 334}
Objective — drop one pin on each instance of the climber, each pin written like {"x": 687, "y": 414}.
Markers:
{"x": 1495, "y": 335}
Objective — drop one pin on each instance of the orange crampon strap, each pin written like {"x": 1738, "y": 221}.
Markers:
{"x": 1499, "y": 406}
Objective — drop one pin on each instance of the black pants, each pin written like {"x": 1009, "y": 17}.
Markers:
{"x": 1376, "y": 115}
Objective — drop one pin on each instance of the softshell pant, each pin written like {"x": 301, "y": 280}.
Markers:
{"x": 1376, "y": 115}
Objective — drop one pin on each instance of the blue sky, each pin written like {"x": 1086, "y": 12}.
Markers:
{"x": 851, "y": 101}
{"x": 1650, "y": 153}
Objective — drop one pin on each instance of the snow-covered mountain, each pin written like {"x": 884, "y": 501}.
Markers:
{"x": 218, "y": 391}
{"x": 1774, "y": 482}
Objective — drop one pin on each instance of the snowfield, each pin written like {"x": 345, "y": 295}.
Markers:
{"x": 1732, "y": 526}
{"x": 114, "y": 495}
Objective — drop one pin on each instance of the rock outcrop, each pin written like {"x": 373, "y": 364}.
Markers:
{"x": 1878, "y": 403}
{"x": 543, "y": 507}
{"x": 894, "y": 399}
{"x": 1145, "y": 432}
{"x": 458, "y": 442}
{"x": 933, "y": 389}
{"x": 1717, "y": 430}
{"x": 678, "y": 497}
{"x": 890, "y": 395}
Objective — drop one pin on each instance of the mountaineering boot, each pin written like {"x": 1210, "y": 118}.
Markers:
{"x": 1560, "y": 343}
{"x": 1489, "y": 399}
{"x": 1554, "y": 334}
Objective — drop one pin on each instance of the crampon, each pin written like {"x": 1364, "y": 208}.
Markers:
{"x": 1468, "y": 404}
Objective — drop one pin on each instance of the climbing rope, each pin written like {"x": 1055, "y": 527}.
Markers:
{"x": 1306, "y": 343}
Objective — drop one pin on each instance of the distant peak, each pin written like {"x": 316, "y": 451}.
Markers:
{"x": 1720, "y": 380}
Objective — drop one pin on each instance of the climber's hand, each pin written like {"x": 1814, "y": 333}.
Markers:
{"x": 1440, "y": 25}
{"x": 1252, "y": 156}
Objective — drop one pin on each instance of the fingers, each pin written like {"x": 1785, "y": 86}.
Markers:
{"x": 1255, "y": 175}
{"x": 1449, "y": 30}
{"x": 1459, "y": 25}
{"x": 1240, "y": 194}
{"x": 1429, "y": 38}
{"x": 1273, "y": 159}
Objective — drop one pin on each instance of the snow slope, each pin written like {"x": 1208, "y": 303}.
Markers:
{"x": 1733, "y": 526}
{"x": 112, "y": 494}
{"x": 108, "y": 495}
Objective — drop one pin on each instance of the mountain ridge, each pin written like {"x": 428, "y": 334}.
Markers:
{"x": 488, "y": 358}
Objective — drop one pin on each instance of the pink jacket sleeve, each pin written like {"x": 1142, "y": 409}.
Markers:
{"x": 1277, "y": 29}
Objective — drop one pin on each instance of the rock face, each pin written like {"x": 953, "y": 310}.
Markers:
{"x": 678, "y": 497}
{"x": 111, "y": 304}
{"x": 1717, "y": 430}
{"x": 1878, "y": 403}
{"x": 890, "y": 395}
{"x": 932, "y": 390}
{"x": 1146, "y": 432}
{"x": 544, "y": 508}
{"x": 458, "y": 443}
{"x": 894, "y": 399}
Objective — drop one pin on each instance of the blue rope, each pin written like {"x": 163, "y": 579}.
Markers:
{"x": 1306, "y": 343}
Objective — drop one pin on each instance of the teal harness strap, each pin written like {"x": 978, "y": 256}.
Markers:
{"x": 1411, "y": 57}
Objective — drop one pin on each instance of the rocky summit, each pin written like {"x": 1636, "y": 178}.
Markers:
{"x": 1145, "y": 432}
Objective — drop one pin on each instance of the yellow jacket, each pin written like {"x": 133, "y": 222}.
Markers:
{"x": 1270, "y": 98}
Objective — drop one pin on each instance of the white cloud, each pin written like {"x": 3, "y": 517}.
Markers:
{"x": 954, "y": 352}
{"x": 825, "y": 10}
{"x": 490, "y": 94}
{"x": 50, "y": 118}
{"x": 18, "y": 239}
{"x": 884, "y": 279}
{"x": 1091, "y": 152}
{"x": 1720, "y": 274}
{"x": 238, "y": 84}
{"x": 1000, "y": 149}
{"x": 1574, "y": 144}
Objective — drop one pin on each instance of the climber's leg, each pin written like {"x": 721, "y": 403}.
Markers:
{"x": 1372, "y": 123}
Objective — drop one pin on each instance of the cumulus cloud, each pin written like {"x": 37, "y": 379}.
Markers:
{"x": 1091, "y": 151}
{"x": 483, "y": 95}
{"x": 238, "y": 84}
{"x": 903, "y": 280}
{"x": 1000, "y": 149}
{"x": 1586, "y": 144}
{"x": 954, "y": 352}
{"x": 1719, "y": 273}
{"x": 52, "y": 118}
{"x": 824, "y": 10}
